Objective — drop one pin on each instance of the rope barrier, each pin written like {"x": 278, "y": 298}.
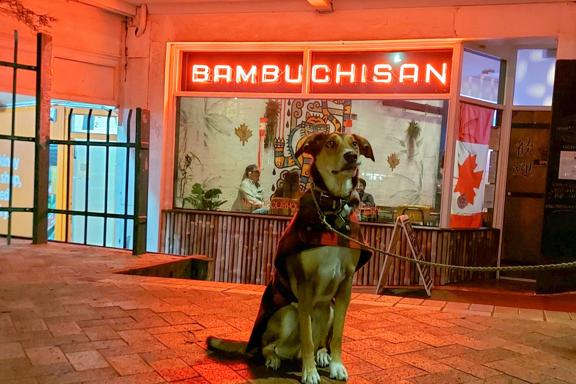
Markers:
{"x": 571, "y": 264}
{"x": 540, "y": 267}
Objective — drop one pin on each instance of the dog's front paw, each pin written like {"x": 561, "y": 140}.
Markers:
{"x": 310, "y": 376}
{"x": 322, "y": 357}
{"x": 273, "y": 362}
{"x": 338, "y": 371}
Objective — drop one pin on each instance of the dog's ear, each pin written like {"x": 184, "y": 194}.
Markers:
{"x": 312, "y": 144}
{"x": 365, "y": 147}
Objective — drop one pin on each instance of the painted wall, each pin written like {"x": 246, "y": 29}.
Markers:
{"x": 87, "y": 49}
{"x": 475, "y": 22}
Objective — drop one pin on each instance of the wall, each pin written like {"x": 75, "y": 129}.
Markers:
{"x": 87, "y": 46}
{"x": 473, "y": 22}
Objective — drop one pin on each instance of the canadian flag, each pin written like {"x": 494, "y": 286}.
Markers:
{"x": 471, "y": 160}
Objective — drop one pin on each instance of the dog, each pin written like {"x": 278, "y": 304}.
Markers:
{"x": 303, "y": 308}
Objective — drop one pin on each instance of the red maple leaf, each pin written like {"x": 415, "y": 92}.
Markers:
{"x": 468, "y": 179}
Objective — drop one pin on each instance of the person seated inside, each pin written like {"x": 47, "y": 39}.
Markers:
{"x": 250, "y": 196}
{"x": 366, "y": 199}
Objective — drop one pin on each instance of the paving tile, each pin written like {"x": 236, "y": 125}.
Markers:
{"x": 137, "y": 336}
{"x": 531, "y": 314}
{"x": 217, "y": 374}
{"x": 92, "y": 345}
{"x": 11, "y": 351}
{"x": 391, "y": 375}
{"x": 470, "y": 367}
{"x": 86, "y": 360}
{"x": 451, "y": 376}
{"x": 64, "y": 328}
{"x": 140, "y": 378}
{"x": 143, "y": 326}
{"x": 46, "y": 355}
{"x": 377, "y": 358}
{"x": 102, "y": 332}
{"x": 516, "y": 367}
{"x": 434, "y": 303}
{"x": 47, "y": 341}
{"x": 30, "y": 325}
{"x": 454, "y": 306}
{"x": 481, "y": 308}
{"x": 175, "y": 369}
{"x": 422, "y": 362}
{"x": 129, "y": 364}
{"x": 100, "y": 375}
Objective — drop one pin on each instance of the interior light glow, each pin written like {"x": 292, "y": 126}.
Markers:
{"x": 289, "y": 78}
{"x": 223, "y": 72}
{"x": 382, "y": 73}
{"x": 315, "y": 69}
{"x": 246, "y": 77}
{"x": 270, "y": 73}
{"x": 330, "y": 72}
{"x": 442, "y": 77}
{"x": 351, "y": 74}
{"x": 200, "y": 73}
{"x": 405, "y": 75}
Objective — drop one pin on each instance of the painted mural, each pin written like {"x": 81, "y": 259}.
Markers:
{"x": 218, "y": 138}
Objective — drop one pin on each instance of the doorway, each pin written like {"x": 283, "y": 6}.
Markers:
{"x": 525, "y": 191}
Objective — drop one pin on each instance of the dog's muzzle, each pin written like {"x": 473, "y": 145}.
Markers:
{"x": 348, "y": 167}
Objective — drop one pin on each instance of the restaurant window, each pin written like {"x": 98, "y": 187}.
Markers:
{"x": 217, "y": 138}
{"x": 534, "y": 80}
{"x": 481, "y": 77}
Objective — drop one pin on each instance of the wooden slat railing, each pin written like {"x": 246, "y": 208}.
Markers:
{"x": 243, "y": 247}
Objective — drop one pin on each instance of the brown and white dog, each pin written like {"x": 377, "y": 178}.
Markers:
{"x": 303, "y": 308}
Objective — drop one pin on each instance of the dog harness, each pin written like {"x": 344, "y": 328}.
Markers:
{"x": 306, "y": 231}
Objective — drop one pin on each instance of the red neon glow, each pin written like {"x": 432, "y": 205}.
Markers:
{"x": 330, "y": 72}
{"x": 274, "y": 72}
{"x": 323, "y": 69}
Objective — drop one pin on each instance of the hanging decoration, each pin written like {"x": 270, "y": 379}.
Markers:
{"x": 243, "y": 133}
{"x": 272, "y": 112}
{"x": 412, "y": 135}
{"x": 393, "y": 160}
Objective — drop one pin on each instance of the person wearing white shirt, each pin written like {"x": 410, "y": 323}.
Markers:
{"x": 250, "y": 196}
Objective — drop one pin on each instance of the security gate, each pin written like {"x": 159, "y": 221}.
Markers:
{"x": 98, "y": 178}
{"x": 90, "y": 171}
{"x": 28, "y": 201}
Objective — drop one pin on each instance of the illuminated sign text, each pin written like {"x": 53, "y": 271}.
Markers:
{"x": 329, "y": 73}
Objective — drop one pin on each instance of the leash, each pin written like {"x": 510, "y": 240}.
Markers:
{"x": 540, "y": 267}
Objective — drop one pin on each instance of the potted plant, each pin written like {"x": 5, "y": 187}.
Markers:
{"x": 204, "y": 199}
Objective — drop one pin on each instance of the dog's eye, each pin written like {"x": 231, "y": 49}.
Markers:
{"x": 355, "y": 144}
{"x": 330, "y": 144}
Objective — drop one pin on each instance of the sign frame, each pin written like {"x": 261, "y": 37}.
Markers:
{"x": 403, "y": 226}
{"x": 176, "y": 51}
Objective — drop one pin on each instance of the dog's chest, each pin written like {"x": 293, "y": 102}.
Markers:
{"x": 326, "y": 267}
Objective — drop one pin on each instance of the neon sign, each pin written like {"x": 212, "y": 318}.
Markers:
{"x": 330, "y": 72}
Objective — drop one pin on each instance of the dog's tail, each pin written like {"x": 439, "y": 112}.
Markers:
{"x": 228, "y": 346}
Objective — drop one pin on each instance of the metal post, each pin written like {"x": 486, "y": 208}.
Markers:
{"x": 42, "y": 161}
{"x": 12, "y": 133}
{"x": 141, "y": 181}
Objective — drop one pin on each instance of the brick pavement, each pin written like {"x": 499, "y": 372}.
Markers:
{"x": 66, "y": 317}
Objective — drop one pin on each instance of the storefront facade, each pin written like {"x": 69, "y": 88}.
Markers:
{"x": 483, "y": 30}
{"x": 425, "y": 176}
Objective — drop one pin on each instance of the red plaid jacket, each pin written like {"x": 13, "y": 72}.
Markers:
{"x": 305, "y": 231}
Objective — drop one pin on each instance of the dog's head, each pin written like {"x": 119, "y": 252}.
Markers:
{"x": 336, "y": 160}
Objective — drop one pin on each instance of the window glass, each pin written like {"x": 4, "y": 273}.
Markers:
{"x": 219, "y": 138}
{"x": 534, "y": 77}
{"x": 480, "y": 77}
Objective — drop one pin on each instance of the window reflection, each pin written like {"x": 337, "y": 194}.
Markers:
{"x": 218, "y": 139}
